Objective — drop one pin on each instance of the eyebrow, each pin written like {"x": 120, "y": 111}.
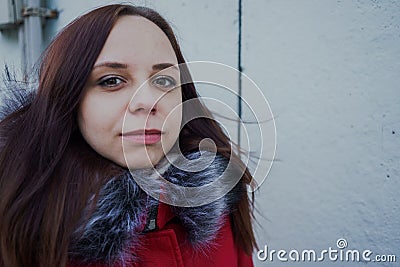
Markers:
{"x": 113, "y": 65}
{"x": 118, "y": 65}
{"x": 162, "y": 66}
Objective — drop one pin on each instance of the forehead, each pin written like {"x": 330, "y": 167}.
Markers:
{"x": 137, "y": 40}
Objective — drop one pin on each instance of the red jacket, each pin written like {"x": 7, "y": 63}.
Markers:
{"x": 168, "y": 247}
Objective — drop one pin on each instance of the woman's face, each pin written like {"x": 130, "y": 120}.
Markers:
{"x": 121, "y": 121}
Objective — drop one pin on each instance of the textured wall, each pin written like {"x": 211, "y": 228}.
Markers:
{"x": 330, "y": 71}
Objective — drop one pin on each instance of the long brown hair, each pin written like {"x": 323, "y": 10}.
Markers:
{"x": 48, "y": 172}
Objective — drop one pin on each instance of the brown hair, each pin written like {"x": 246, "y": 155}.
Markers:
{"x": 48, "y": 172}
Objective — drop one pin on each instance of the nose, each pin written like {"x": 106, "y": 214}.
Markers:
{"x": 144, "y": 101}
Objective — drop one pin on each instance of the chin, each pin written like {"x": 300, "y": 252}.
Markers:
{"x": 143, "y": 162}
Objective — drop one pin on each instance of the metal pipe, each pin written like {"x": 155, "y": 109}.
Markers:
{"x": 33, "y": 37}
{"x": 22, "y": 47}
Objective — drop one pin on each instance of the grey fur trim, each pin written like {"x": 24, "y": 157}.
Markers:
{"x": 202, "y": 223}
{"x": 13, "y": 94}
{"x": 110, "y": 231}
{"x": 116, "y": 225}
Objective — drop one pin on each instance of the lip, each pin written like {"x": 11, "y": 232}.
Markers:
{"x": 143, "y": 136}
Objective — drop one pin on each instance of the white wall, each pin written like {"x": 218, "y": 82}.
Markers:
{"x": 330, "y": 71}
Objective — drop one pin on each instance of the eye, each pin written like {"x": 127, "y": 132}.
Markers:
{"x": 110, "y": 81}
{"x": 164, "y": 82}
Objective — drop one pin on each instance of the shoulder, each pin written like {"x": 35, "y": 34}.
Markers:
{"x": 228, "y": 251}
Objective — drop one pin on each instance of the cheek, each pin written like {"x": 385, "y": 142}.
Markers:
{"x": 174, "y": 113}
{"x": 88, "y": 118}
{"x": 172, "y": 121}
{"x": 87, "y": 121}
{"x": 96, "y": 118}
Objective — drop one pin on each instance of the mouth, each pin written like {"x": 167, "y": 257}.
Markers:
{"x": 143, "y": 136}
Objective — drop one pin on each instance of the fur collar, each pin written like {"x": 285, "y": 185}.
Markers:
{"x": 14, "y": 94}
{"x": 117, "y": 223}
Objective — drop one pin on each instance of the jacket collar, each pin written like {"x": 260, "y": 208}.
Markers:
{"x": 122, "y": 213}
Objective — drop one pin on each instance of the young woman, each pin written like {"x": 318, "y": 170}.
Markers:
{"x": 69, "y": 152}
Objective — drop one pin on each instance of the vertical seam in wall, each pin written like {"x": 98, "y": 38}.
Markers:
{"x": 239, "y": 67}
